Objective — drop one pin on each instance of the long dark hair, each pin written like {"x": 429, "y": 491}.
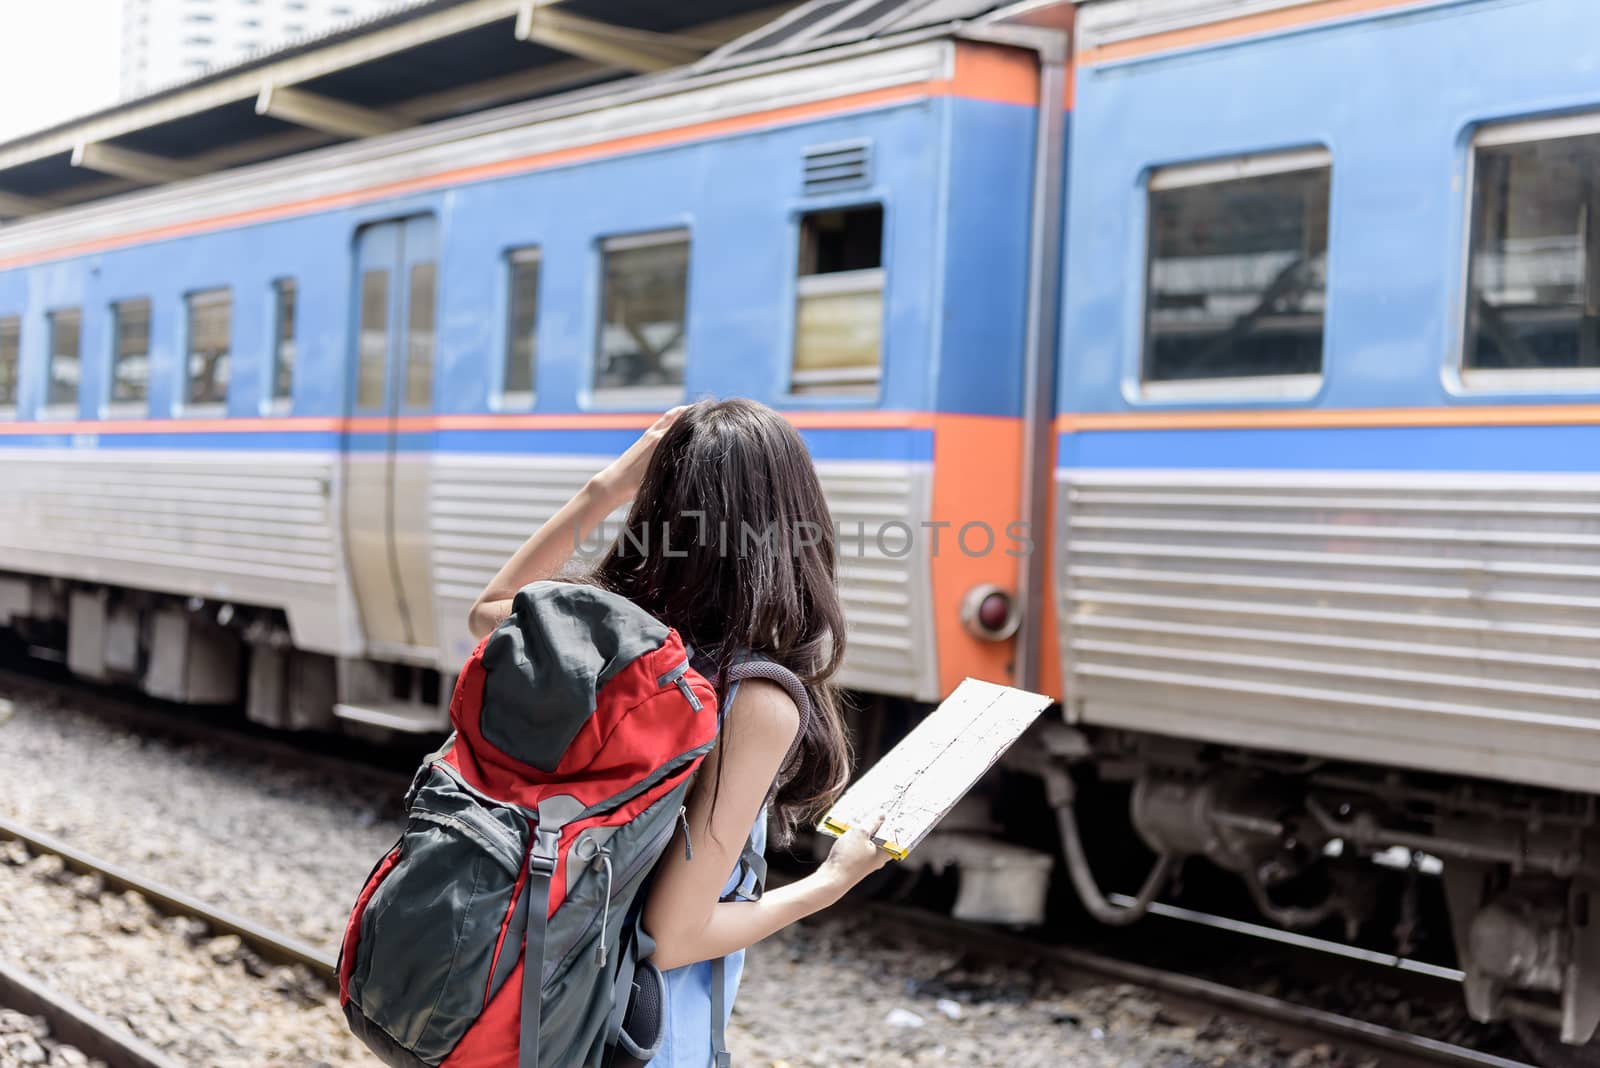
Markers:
{"x": 729, "y": 541}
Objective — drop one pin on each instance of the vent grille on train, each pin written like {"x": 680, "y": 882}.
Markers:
{"x": 834, "y": 168}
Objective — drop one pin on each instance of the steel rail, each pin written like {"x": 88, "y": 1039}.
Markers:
{"x": 998, "y": 945}
{"x": 73, "y": 1025}
{"x": 271, "y": 945}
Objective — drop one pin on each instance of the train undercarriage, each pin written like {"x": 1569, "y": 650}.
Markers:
{"x": 1316, "y": 844}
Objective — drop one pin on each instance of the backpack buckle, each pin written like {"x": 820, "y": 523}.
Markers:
{"x": 542, "y": 858}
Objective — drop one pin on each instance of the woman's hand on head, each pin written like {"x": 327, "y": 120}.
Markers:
{"x": 854, "y": 856}
{"x": 620, "y": 479}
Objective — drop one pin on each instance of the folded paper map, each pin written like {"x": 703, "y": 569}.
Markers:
{"x": 924, "y": 776}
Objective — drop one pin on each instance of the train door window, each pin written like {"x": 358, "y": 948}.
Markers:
{"x": 640, "y": 351}
{"x": 61, "y": 382}
{"x": 10, "y": 360}
{"x": 420, "y": 304}
{"x": 838, "y": 319}
{"x": 373, "y": 347}
{"x": 1236, "y": 273}
{"x": 210, "y": 336}
{"x": 1533, "y": 307}
{"x": 284, "y": 297}
{"x": 522, "y": 326}
{"x": 130, "y": 353}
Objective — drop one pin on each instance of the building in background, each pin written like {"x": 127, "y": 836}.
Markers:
{"x": 168, "y": 41}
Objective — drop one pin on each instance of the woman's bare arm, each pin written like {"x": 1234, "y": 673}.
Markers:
{"x": 683, "y": 914}
{"x": 553, "y": 544}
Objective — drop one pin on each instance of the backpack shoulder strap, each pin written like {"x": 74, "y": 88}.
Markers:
{"x": 750, "y": 859}
{"x": 756, "y": 666}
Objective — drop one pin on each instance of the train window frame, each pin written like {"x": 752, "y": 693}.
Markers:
{"x": 515, "y": 400}
{"x": 273, "y": 402}
{"x": 201, "y": 409}
{"x": 66, "y": 409}
{"x": 851, "y": 388}
{"x": 1289, "y": 387}
{"x": 12, "y": 324}
{"x": 127, "y": 408}
{"x": 648, "y": 397}
{"x": 1460, "y": 378}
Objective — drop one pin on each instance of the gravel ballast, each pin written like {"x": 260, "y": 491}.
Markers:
{"x": 25, "y": 1041}
{"x": 288, "y": 846}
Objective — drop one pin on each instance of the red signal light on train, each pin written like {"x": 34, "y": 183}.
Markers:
{"x": 990, "y": 613}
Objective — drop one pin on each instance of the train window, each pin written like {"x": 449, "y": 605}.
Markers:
{"x": 1236, "y": 280}
{"x": 210, "y": 337}
{"x": 373, "y": 344}
{"x": 130, "y": 351}
{"x": 522, "y": 326}
{"x": 1534, "y": 261}
{"x": 283, "y": 320}
{"x": 10, "y": 358}
{"x": 61, "y": 388}
{"x": 641, "y": 347}
{"x": 838, "y": 321}
{"x": 420, "y": 302}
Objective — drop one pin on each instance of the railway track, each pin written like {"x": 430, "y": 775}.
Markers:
{"x": 77, "y": 1026}
{"x": 73, "y": 1024}
{"x": 1300, "y": 1023}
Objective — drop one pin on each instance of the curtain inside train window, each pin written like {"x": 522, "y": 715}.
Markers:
{"x": 210, "y": 336}
{"x": 641, "y": 350}
{"x": 1236, "y": 282}
{"x": 421, "y": 310}
{"x": 838, "y": 318}
{"x": 522, "y": 327}
{"x": 130, "y": 352}
{"x": 1534, "y": 273}
{"x": 284, "y": 296}
{"x": 372, "y": 348}
{"x": 10, "y": 358}
{"x": 61, "y": 384}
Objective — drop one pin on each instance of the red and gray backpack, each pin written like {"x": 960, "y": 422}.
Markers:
{"x": 530, "y": 838}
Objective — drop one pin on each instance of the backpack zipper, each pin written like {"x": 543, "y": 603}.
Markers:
{"x": 683, "y": 818}
{"x": 677, "y": 676}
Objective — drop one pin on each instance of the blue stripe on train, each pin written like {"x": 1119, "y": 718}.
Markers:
{"x": 1469, "y": 448}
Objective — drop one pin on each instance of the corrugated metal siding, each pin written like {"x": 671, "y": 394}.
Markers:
{"x": 251, "y": 527}
{"x": 1430, "y": 619}
{"x": 484, "y": 507}
{"x": 887, "y": 600}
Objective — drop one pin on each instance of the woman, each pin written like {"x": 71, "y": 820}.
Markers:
{"x": 731, "y": 545}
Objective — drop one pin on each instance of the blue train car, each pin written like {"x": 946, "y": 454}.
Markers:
{"x": 1327, "y": 463}
{"x": 324, "y": 396}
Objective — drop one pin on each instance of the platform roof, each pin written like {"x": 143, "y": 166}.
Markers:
{"x": 423, "y": 61}
{"x": 417, "y": 62}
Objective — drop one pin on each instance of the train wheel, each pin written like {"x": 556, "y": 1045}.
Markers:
{"x": 1547, "y": 1050}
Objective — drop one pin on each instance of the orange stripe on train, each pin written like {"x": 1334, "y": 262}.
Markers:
{"x": 875, "y": 419}
{"x": 1310, "y": 418}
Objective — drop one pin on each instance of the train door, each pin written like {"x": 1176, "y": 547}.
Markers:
{"x": 387, "y": 465}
